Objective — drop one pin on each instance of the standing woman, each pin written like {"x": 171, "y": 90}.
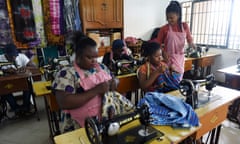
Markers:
{"x": 173, "y": 36}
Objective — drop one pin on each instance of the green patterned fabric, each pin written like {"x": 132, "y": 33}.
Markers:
{"x": 38, "y": 18}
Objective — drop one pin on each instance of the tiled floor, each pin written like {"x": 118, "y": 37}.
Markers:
{"x": 31, "y": 131}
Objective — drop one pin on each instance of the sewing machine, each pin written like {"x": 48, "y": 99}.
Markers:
{"x": 108, "y": 131}
{"x": 191, "y": 90}
{"x": 196, "y": 53}
{"x": 7, "y": 68}
{"x": 54, "y": 65}
{"x": 126, "y": 67}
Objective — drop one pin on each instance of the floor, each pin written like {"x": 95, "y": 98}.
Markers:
{"x": 26, "y": 130}
{"x": 31, "y": 131}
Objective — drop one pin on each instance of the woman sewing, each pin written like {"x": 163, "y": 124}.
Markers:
{"x": 79, "y": 89}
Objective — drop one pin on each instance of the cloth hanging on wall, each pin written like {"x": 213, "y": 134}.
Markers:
{"x": 55, "y": 15}
{"x": 38, "y": 17}
{"x": 71, "y": 15}
{"x": 5, "y": 31}
{"x": 17, "y": 43}
{"x": 52, "y": 39}
{"x": 23, "y": 20}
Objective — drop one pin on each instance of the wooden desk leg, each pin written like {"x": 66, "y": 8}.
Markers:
{"x": 33, "y": 97}
{"x": 208, "y": 71}
{"x": 218, "y": 133}
{"x": 53, "y": 121}
{"x": 212, "y": 136}
{"x": 48, "y": 117}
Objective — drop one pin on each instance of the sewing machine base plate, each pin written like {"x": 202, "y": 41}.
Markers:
{"x": 136, "y": 135}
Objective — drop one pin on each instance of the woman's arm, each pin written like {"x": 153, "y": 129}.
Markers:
{"x": 145, "y": 82}
{"x": 67, "y": 100}
{"x": 189, "y": 36}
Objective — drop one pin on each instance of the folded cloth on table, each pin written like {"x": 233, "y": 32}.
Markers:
{"x": 166, "y": 109}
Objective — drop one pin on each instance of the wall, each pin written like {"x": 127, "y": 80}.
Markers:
{"x": 227, "y": 58}
{"x": 142, "y": 16}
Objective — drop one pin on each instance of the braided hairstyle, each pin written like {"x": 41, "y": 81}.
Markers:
{"x": 175, "y": 7}
{"x": 149, "y": 48}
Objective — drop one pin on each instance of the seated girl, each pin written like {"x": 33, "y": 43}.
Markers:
{"x": 155, "y": 75}
{"x": 79, "y": 89}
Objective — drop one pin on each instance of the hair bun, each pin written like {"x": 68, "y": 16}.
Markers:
{"x": 175, "y": 3}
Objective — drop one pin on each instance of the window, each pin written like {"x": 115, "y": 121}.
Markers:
{"x": 213, "y": 22}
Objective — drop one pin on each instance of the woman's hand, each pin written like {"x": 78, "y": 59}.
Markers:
{"x": 102, "y": 87}
{"x": 161, "y": 68}
{"x": 21, "y": 70}
{"x": 113, "y": 84}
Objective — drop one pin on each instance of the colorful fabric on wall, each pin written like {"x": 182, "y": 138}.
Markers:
{"x": 55, "y": 14}
{"x": 71, "y": 15}
{"x": 51, "y": 37}
{"x": 23, "y": 19}
{"x": 5, "y": 32}
{"x": 38, "y": 17}
{"x": 17, "y": 43}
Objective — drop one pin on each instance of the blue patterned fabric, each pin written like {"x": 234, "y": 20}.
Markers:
{"x": 168, "y": 110}
{"x": 168, "y": 81}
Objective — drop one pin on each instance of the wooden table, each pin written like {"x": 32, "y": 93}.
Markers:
{"x": 211, "y": 116}
{"x": 203, "y": 64}
{"x": 232, "y": 76}
{"x": 20, "y": 82}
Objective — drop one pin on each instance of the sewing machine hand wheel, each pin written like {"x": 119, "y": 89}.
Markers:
{"x": 93, "y": 134}
{"x": 186, "y": 87}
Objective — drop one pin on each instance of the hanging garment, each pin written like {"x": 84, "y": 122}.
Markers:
{"x": 10, "y": 15}
{"x": 175, "y": 49}
{"x": 94, "y": 106}
{"x": 52, "y": 39}
{"x": 71, "y": 16}
{"x": 23, "y": 20}
{"x": 168, "y": 110}
{"x": 5, "y": 32}
{"x": 55, "y": 14}
{"x": 38, "y": 17}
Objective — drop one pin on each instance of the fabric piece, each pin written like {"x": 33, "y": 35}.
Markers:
{"x": 71, "y": 15}
{"x": 168, "y": 110}
{"x": 113, "y": 103}
{"x": 54, "y": 9}
{"x": 38, "y": 18}
{"x": 23, "y": 19}
{"x": 12, "y": 26}
{"x": 52, "y": 39}
{"x": 69, "y": 124}
{"x": 165, "y": 82}
{"x": 5, "y": 32}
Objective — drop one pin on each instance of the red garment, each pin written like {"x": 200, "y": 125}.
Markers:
{"x": 92, "y": 107}
{"x": 162, "y": 34}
